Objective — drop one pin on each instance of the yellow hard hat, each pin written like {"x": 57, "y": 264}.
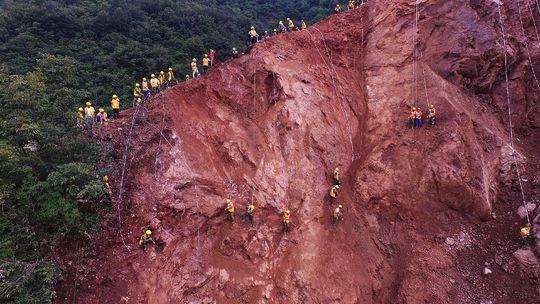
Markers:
{"x": 194, "y": 60}
{"x": 205, "y": 55}
{"x": 227, "y": 201}
{"x": 88, "y": 103}
{"x": 336, "y": 186}
{"x": 101, "y": 110}
{"x": 252, "y": 27}
{"x": 187, "y": 76}
{"x": 336, "y": 169}
{"x": 170, "y": 69}
{"x": 153, "y": 75}
{"x": 144, "y": 78}
{"x": 340, "y": 206}
{"x": 162, "y": 72}
{"x": 81, "y": 110}
{"x": 148, "y": 232}
{"x": 137, "y": 84}
{"x": 288, "y": 211}
{"x": 105, "y": 178}
{"x": 114, "y": 96}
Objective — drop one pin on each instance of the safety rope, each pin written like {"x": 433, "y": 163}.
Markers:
{"x": 533, "y": 20}
{"x": 415, "y": 59}
{"x": 527, "y": 45}
{"x": 499, "y": 4}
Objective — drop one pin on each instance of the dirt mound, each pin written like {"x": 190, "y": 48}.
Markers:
{"x": 271, "y": 125}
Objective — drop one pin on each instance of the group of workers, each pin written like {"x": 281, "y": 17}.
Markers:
{"x": 281, "y": 28}
{"x": 352, "y": 5}
{"x": 416, "y": 117}
{"x": 87, "y": 116}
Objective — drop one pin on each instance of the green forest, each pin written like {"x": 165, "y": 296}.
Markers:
{"x": 56, "y": 55}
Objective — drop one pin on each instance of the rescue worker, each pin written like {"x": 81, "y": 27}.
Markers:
{"x": 136, "y": 93}
{"x": 431, "y": 115}
{"x": 234, "y": 52}
{"x": 337, "y": 10}
{"x": 275, "y": 32}
{"x": 266, "y": 35}
{"x": 115, "y": 105}
{"x": 337, "y": 181}
{"x": 161, "y": 80}
{"x": 170, "y": 78}
{"x": 146, "y": 238}
{"x": 338, "y": 214}
{"x": 107, "y": 186}
{"x": 254, "y": 37}
{"x": 527, "y": 237}
{"x": 89, "y": 112}
{"x": 249, "y": 211}
{"x": 194, "y": 69}
{"x": 281, "y": 27}
{"x": 80, "y": 117}
{"x": 412, "y": 118}
{"x": 418, "y": 122}
{"x": 286, "y": 220}
{"x": 205, "y": 63}
{"x": 290, "y": 24}
{"x": 303, "y": 25}
{"x": 154, "y": 84}
{"x": 333, "y": 193}
{"x": 187, "y": 77}
{"x": 102, "y": 116}
{"x": 351, "y": 4}
{"x": 229, "y": 209}
{"x": 145, "y": 88}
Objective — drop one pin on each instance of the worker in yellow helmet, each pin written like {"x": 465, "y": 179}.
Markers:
{"x": 136, "y": 93}
{"x": 290, "y": 24}
{"x": 205, "y": 63}
{"x": 170, "y": 78}
{"x": 286, "y": 220}
{"x": 194, "y": 69}
{"x": 303, "y": 25}
{"x": 145, "y": 88}
{"x": 146, "y": 238}
{"x": 338, "y": 214}
{"x": 351, "y": 4}
{"x": 333, "y": 193}
{"x": 281, "y": 27}
{"x": 80, "y": 117}
{"x": 161, "y": 80}
{"x": 253, "y": 36}
{"x": 107, "y": 186}
{"x": 229, "y": 208}
{"x": 526, "y": 235}
{"x": 250, "y": 208}
{"x": 337, "y": 181}
{"x": 234, "y": 52}
{"x": 186, "y": 78}
{"x": 102, "y": 116}
{"x": 115, "y": 105}
{"x": 154, "y": 84}
{"x": 337, "y": 10}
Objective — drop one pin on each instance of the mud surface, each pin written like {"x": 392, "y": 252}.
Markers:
{"x": 426, "y": 210}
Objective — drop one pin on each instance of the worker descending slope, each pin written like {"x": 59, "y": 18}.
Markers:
{"x": 266, "y": 35}
{"x": 146, "y": 238}
{"x": 234, "y": 52}
{"x": 250, "y": 208}
{"x": 205, "y": 63}
{"x": 115, "y": 105}
{"x": 338, "y": 214}
{"x": 186, "y": 78}
{"x": 145, "y": 88}
{"x": 290, "y": 24}
{"x": 253, "y": 36}
{"x": 275, "y": 32}
{"x": 286, "y": 220}
{"x": 303, "y": 25}
{"x": 333, "y": 193}
{"x": 194, "y": 69}
{"x": 431, "y": 115}
{"x": 527, "y": 237}
{"x": 170, "y": 78}
{"x": 107, "y": 186}
{"x": 337, "y": 181}
{"x": 161, "y": 80}
{"x": 154, "y": 84}
{"x": 229, "y": 209}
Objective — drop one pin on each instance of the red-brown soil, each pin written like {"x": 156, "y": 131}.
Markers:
{"x": 425, "y": 210}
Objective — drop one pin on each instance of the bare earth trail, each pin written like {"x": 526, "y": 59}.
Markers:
{"x": 271, "y": 125}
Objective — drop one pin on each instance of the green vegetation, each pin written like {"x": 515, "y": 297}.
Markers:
{"x": 54, "y": 56}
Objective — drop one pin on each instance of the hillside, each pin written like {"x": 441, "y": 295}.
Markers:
{"x": 426, "y": 210}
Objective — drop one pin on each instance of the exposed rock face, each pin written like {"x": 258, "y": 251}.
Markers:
{"x": 271, "y": 126}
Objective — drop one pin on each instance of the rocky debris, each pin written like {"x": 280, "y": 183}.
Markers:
{"x": 528, "y": 208}
{"x": 528, "y": 262}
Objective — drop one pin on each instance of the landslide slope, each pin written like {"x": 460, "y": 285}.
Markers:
{"x": 271, "y": 125}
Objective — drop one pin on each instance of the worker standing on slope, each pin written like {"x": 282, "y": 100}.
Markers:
{"x": 338, "y": 214}
{"x": 205, "y": 63}
{"x": 145, "y": 88}
{"x": 115, "y": 105}
{"x": 136, "y": 93}
{"x": 412, "y": 118}
{"x": 303, "y": 25}
{"x": 286, "y": 220}
{"x": 107, "y": 186}
{"x": 351, "y": 4}
{"x": 229, "y": 209}
{"x": 418, "y": 122}
{"x": 431, "y": 115}
{"x": 89, "y": 114}
{"x": 281, "y": 27}
{"x": 80, "y": 117}
{"x": 212, "y": 57}
{"x": 194, "y": 69}
{"x": 234, "y": 52}
{"x": 249, "y": 212}
{"x": 290, "y": 24}
{"x": 102, "y": 116}
{"x": 254, "y": 37}
{"x": 527, "y": 237}
{"x": 266, "y": 35}
{"x": 337, "y": 10}
{"x": 333, "y": 193}
{"x": 146, "y": 238}
{"x": 161, "y": 80}
{"x": 170, "y": 78}
{"x": 154, "y": 84}
{"x": 337, "y": 181}
{"x": 186, "y": 78}
{"x": 275, "y": 32}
